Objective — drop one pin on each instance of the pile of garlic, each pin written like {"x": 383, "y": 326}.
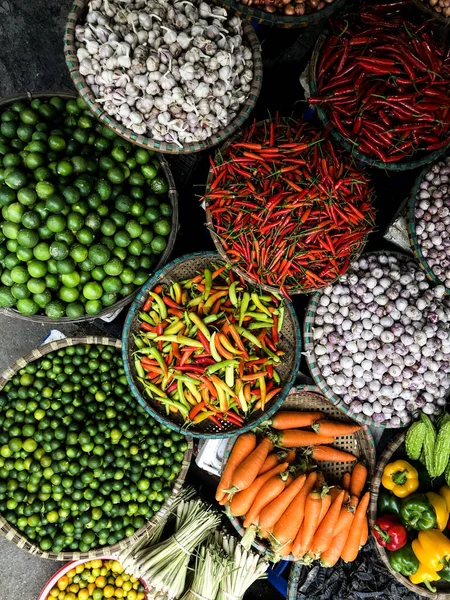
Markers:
{"x": 176, "y": 71}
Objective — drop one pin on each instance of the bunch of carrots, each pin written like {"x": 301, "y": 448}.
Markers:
{"x": 285, "y": 501}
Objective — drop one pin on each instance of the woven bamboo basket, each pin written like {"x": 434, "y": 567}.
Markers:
{"x": 308, "y": 328}
{"x": 278, "y": 20}
{"x": 395, "y": 447}
{"x": 16, "y": 536}
{"x": 44, "y": 595}
{"x": 221, "y": 250}
{"x": 429, "y": 11}
{"x": 414, "y": 162}
{"x": 412, "y": 233}
{"x": 361, "y": 444}
{"x": 77, "y": 13}
{"x": 290, "y": 342}
{"x": 173, "y": 199}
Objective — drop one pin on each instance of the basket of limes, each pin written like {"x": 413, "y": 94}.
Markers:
{"x": 85, "y": 215}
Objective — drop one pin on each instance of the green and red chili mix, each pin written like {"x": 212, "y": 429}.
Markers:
{"x": 383, "y": 82}
{"x": 208, "y": 347}
{"x": 288, "y": 208}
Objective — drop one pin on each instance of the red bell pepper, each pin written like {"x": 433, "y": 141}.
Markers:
{"x": 390, "y": 533}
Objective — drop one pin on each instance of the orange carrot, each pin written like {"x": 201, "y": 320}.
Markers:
{"x": 284, "y": 550}
{"x": 291, "y": 420}
{"x": 326, "y": 503}
{"x": 273, "y": 511}
{"x": 351, "y": 548}
{"x": 313, "y": 507}
{"x": 269, "y": 491}
{"x": 245, "y": 444}
{"x": 276, "y": 458}
{"x": 297, "y": 438}
{"x": 324, "y": 533}
{"x": 364, "y": 533}
{"x": 334, "y": 428}
{"x": 286, "y": 528}
{"x": 358, "y": 480}
{"x": 246, "y": 473}
{"x": 346, "y": 515}
{"x": 335, "y": 490}
{"x": 332, "y": 554}
{"x": 331, "y": 454}
{"x": 346, "y": 481}
{"x": 242, "y": 501}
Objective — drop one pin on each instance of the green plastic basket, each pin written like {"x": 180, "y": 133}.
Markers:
{"x": 412, "y": 233}
{"x": 290, "y": 342}
{"x": 407, "y": 165}
{"x": 278, "y": 20}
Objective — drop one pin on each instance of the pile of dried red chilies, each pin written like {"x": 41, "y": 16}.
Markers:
{"x": 383, "y": 82}
{"x": 289, "y": 209}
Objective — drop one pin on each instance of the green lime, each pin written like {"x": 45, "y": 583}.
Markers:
{"x": 55, "y": 310}
{"x": 23, "y": 254}
{"x": 146, "y": 236}
{"x": 70, "y": 280}
{"x": 15, "y": 212}
{"x": 93, "y": 307}
{"x": 64, "y": 168}
{"x": 116, "y": 175}
{"x": 10, "y": 230}
{"x": 7, "y": 195}
{"x": 119, "y": 154}
{"x": 27, "y": 307}
{"x": 108, "y": 227}
{"x": 43, "y": 298}
{"x": 68, "y": 294}
{"x": 153, "y": 214}
{"x": 56, "y": 223}
{"x": 55, "y": 204}
{"x": 52, "y": 281}
{"x": 93, "y": 221}
{"x": 166, "y": 209}
{"x": 16, "y": 179}
{"x": 135, "y": 247}
{"x": 159, "y": 185}
{"x": 19, "y": 274}
{"x": 114, "y": 267}
{"x": 112, "y": 285}
{"x": 65, "y": 266}
{"x": 158, "y": 244}
{"x": 99, "y": 254}
{"x": 123, "y": 203}
{"x": 20, "y": 291}
{"x": 59, "y": 250}
{"x": 27, "y": 238}
{"x": 122, "y": 239}
{"x": 75, "y": 221}
{"x": 33, "y": 160}
{"x": 31, "y": 219}
{"x": 104, "y": 189}
{"x": 149, "y": 171}
{"x": 42, "y": 251}
{"x": 162, "y": 227}
{"x": 98, "y": 273}
{"x": 29, "y": 116}
{"x": 6, "y": 298}
{"x": 75, "y": 310}
{"x": 45, "y": 189}
{"x": 71, "y": 194}
{"x": 127, "y": 276}
{"x": 108, "y": 299}
{"x": 36, "y": 286}
{"x": 65, "y": 236}
{"x": 85, "y": 236}
{"x": 92, "y": 290}
{"x": 134, "y": 228}
{"x": 79, "y": 253}
{"x": 56, "y": 143}
{"x": 37, "y": 269}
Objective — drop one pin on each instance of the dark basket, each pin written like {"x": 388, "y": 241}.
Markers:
{"x": 220, "y": 249}
{"x": 173, "y": 198}
{"x": 77, "y": 11}
{"x": 412, "y": 234}
{"x": 361, "y": 444}
{"x": 278, "y": 20}
{"x": 290, "y": 342}
{"x": 20, "y": 540}
{"x": 314, "y": 368}
{"x": 393, "y": 448}
{"x": 407, "y": 165}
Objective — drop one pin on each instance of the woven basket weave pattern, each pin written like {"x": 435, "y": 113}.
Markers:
{"x": 21, "y": 541}
{"x": 173, "y": 199}
{"x": 395, "y": 447}
{"x": 77, "y": 12}
{"x": 409, "y": 164}
{"x": 290, "y": 342}
{"x": 361, "y": 444}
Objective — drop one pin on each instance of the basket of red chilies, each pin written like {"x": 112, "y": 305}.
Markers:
{"x": 287, "y": 207}
{"x": 381, "y": 80}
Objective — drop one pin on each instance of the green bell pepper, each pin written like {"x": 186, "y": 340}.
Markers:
{"x": 404, "y": 561}
{"x": 417, "y": 512}
{"x": 388, "y": 504}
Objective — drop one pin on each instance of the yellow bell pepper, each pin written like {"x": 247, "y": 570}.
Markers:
{"x": 445, "y": 493}
{"x": 440, "y": 508}
{"x": 426, "y": 576}
{"x": 432, "y": 549}
{"x": 401, "y": 478}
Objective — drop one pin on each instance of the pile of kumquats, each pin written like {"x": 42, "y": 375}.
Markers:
{"x": 274, "y": 486}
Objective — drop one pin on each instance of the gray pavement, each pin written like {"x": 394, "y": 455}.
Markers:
{"x": 31, "y": 59}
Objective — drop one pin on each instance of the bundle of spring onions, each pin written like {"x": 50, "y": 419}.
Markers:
{"x": 211, "y": 565}
{"x": 164, "y": 565}
{"x": 244, "y": 569}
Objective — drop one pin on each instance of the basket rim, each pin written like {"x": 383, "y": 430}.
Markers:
{"x": 370, "y": 458}
{"x": 308, "y": 325}
{"x": 375, "y": 486}
{"x": 412, "y": 233}
{"x": 172, "y": 195}
{"x": 77, "y": 7}
{"x": 351, "y": 147}
{"x": 14, "y": 535}
{"x": 279, "y": 20}
{"x": 126, "y": 352}
{"x": 217, "y": 241}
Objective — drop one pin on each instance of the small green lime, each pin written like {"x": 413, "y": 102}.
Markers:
{"x": 122, "y": 239}
{"x": 158, "y": 244}
{"x": 55, "y": 310}
{"x": 79, "y": 253}
{"x": 36, "y": 286}
{"x": 42, "y": 251}
{"x": 44, "y": 189}
{"x": 68, "y": 294}
{"x": 59, "y": 250}
{"x": 56, "y": 223}
{"x": 70, "y": 280}
{"x": 37, "y": 269}
{"x": 27, "y": 307}
{"x": 15, "y": 212}
{"x": 85, "y": 236}
{"x": 27, "y": 238}
{"x": 6, "y": 298}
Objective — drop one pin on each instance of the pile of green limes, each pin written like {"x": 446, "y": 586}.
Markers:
{"x": 81, "y": 464}
{"x": 85, "y": 214}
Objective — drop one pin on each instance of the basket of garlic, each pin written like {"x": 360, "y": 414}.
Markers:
{"x": 174, "y": 76}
